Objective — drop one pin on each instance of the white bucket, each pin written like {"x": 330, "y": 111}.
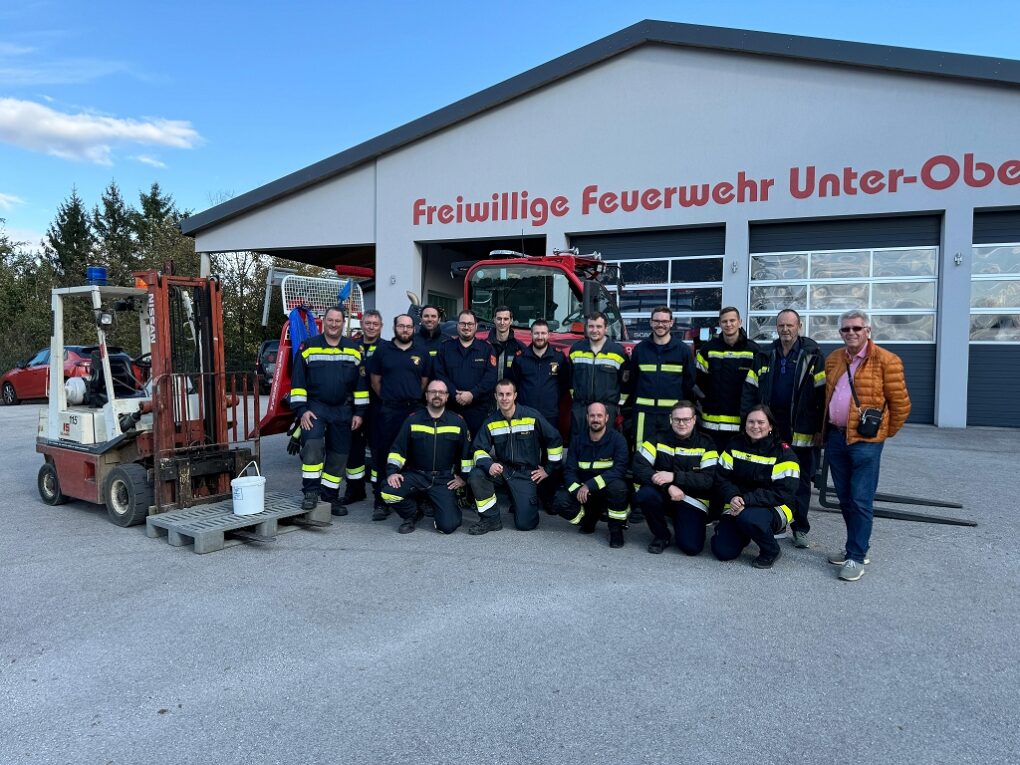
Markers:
{"x": 249, "y": 492}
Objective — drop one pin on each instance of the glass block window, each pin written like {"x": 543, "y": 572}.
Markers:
{"x": 692, "y": 287}
{"x": 995, "y": 293}
{"x": 895, "y": 285}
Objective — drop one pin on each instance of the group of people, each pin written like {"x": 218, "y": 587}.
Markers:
{"x": 727, "y": 436}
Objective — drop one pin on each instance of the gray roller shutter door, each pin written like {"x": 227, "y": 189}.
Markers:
{"x": 849, "y": 233}
{"x": 674, "y": 243}
{"x": 992, "y": 396}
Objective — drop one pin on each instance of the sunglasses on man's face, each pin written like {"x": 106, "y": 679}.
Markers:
{"x": 848, "y": 330}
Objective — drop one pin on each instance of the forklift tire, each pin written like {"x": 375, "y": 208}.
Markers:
{"x": 9, "y": 396}
{"x": 49, "y": 485}
{"x": 128, "y": 495}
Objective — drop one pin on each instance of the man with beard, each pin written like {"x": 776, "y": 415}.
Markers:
{"x": 429, "y": 334}
{"x": 508, "y": 452}
{"x": 676, "y": 473}
{"x": 542, "y": 374}
{"x": 398, "y": 371}
{"x": 594, "y": 477}
{"x": 662, "y": 370}
{"x": 468, "y": 367}
{"x": 598, "y": 366}
{"x": 790, "y": 380}
{"x": 427, "y": 458}
{"x": 371, "y": 330}
{"x": 327, "y": 387}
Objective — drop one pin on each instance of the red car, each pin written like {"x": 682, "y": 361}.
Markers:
{"x": 30, "y": 379}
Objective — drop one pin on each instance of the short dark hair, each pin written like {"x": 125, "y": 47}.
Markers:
{"x": 540, "y": 323}
{"x": 661, "y": 309}
{"x": 335, "y": 308}
{"x": 506, "y": 308}
{"x": 435, "y": 308}
{"x": 505, "y": 382}
{"x": 596, "y": 315}
{"x": 729, "y": 309}
{"x": 400, "y": 316}
{"x": 468, "y": 312}
{"x": 683, "y": 404}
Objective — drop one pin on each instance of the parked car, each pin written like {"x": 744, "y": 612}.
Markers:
{"x": 265, "y": 364}
{"x": 30, "y": 379}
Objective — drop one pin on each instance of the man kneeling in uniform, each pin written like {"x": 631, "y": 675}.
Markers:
{"x": 508, "y": 452}
{"x": 594, "y": 477}
{"x": 424, "y": 461}
{"x": 676, "y": 472}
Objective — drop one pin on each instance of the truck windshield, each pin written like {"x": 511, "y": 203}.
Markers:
{"x": 605, "y": 303}
{"x": 531, "y": 292}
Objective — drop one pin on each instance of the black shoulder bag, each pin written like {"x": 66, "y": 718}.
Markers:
{"x": 871, "y": 418}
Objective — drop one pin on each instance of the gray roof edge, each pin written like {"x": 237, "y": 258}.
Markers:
{"x": 907, "y": 60}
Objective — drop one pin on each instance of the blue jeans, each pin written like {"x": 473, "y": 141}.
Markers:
{"x": 854, "y": 471}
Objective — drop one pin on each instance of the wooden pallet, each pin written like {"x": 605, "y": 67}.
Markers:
{"x": 209, "y": 526}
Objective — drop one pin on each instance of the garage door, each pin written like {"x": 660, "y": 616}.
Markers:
{"x": 994, "y": 320}
{"x": 887, "y": 266}
{"x": 681, "y": 268}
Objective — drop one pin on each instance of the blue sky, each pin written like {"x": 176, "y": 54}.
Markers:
{"x": 212, "y": 99}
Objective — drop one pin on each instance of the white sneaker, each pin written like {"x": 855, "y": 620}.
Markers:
{"x": 851, "y": 571}
{"x": 838, "y": 559}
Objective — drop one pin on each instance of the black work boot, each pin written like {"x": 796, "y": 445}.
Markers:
{"x": 355, "y": 492}
{"x": 485, "y": 525}
{"x": 311, "y": 500}
{"x": 338, "y": 507}
{"x": 408, "y": 525}
{"x": 616, "y": 536}
{"x": 379, "y": 510}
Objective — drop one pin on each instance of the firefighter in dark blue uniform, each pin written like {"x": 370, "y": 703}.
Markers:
{"x": 505, "y": 346}
{"x": 398, "y": 372}
{"x": 357, "y": 471}
{"x": 508, "y": 451}
{"x": 723, "y": 363}
{"x": 676, "y": 475}
{"x": 594, "y": 476}
{"x": 758, "y": 477}
{"x": 662, "y": 371}
{"x": 599, "y": 369}
{"x": 429, "y": 458}
{"x": 327, "y": 385}
{"x": 468, "y": 367}
{"x": 430, "y": 334}
{"x": 542, "y": 375}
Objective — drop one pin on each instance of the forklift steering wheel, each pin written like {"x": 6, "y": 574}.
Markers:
{"x": 144, "y": 361}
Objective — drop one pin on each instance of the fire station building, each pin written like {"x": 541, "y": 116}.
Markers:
{"x": 718, "y": 167}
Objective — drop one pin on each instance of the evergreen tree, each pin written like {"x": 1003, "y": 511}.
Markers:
{"x": 113, "y": 223}
{"x": 70, "y": 242}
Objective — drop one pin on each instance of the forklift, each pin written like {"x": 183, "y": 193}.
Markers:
{"x": 165, "y": 430}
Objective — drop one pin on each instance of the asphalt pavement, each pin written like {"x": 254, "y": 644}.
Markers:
{"x": 356, "y": 644}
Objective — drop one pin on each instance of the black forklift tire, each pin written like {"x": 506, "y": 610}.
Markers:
{"x": 9, "y": 396}
{"x": 49, "y": 485}
{"x": 128, "y": 495}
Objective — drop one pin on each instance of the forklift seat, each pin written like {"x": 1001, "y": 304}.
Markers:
{"x": 125, "y": 384}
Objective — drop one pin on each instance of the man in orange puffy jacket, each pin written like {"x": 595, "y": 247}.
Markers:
{"x": 860, "y": 376}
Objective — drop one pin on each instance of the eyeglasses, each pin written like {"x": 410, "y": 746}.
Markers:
{"x": 465, "y": 324}
{"x": 848, "y": 330}
{"x": 681, "y": 420}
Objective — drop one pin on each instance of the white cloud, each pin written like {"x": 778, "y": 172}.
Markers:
{"x": 84, "y": 136}
{"x": 13, "y": 49}
{"x": 148, "y": 159}
{"x": 8, "y": 201}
